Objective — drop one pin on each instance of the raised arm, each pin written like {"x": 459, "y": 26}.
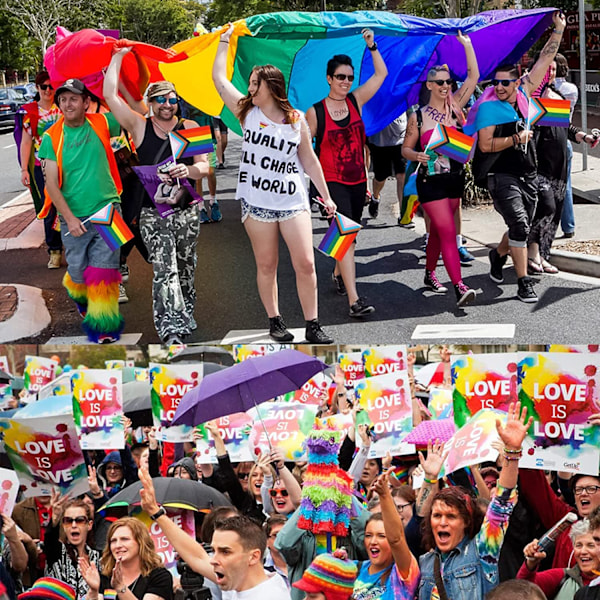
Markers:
{"x": 125, "y": 115}
{"x": 228, "y": 92}
{"x": 468, "y": 87}
{"x": 432, "y": 465}
{"x": 534, "y": 78}
{"x": 369, "y": 88}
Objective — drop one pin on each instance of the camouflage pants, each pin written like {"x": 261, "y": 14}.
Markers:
{"x": 171, "y": 244}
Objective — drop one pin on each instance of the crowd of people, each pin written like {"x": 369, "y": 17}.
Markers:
{"x": 337, "y": 526}
{"x": 72, "y": 142}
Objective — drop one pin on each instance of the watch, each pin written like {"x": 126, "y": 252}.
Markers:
{"x": 122, "y": 590}
{"x": 159, "y": 513}
{"x": 373, "y": 47}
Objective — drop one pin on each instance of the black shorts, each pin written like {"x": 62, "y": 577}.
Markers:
{"x": 387, "y": 161}
{"x": 350, "y": 199}
{"x": 436, "y": 187}
{"x": 218, "y": 124}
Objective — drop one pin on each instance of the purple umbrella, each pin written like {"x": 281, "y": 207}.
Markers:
{"x": 245, "y": 385}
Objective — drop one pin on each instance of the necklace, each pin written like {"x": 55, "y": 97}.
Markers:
{"x": 336, "y": 99}
{"x": 165, "y": 131}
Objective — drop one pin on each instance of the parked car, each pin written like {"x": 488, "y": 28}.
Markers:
{"x": 28, "y": 89}
{"x": 10, "y": 102}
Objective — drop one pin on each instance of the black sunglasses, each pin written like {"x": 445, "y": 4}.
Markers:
{"x": 79, "y": 520}
{"x": 342, "y": 76}
{"x": 45, "y": 86}
{"x": 441, "y": 82}
{"x": 502, "y": 82}
{"x": 162, "y": 99}
{"x": 243, "y": 475}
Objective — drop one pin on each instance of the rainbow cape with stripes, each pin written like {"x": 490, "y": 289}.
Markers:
{"x": 451, "y": 143}
{"x": 341, "y": 233}
{"x": 189, "y": 142}
{"x": 111, "y": 227}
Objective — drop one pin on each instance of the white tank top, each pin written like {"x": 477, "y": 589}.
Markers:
{"x": 270, "y": 174}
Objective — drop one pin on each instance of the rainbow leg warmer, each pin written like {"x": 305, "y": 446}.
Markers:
{"x": 77, "y": 292}
{"x": 103, "y": 317}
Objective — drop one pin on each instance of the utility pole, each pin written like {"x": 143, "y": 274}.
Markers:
{"x": 583, "y": 78}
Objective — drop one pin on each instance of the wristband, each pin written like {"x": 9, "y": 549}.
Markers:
{"x": 159, "y": 513}
{"x": 508, "y": 451}
{"x": 512, "y": 456}
{"x": 431, "y": 481}
{"x": 223, "y": 42}
{"x": 373, "y": 48}
{"x": 559, "y": 31}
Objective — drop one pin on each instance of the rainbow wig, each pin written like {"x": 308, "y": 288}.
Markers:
{"x": 77, "y": 292}
{"x": 103, "y": 317}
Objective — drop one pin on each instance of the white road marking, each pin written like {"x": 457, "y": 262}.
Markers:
{"x": 466, "y": 330}
{"x": 127, "y": 339}
{"x": 258, "y": 336}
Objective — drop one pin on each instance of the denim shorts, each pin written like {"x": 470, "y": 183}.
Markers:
{"x": 87, "y": 250}
{"x": 266, "y": 215}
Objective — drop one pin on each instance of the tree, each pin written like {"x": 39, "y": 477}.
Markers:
{"x": 94, "y": 356}
{"x": 17, "y": 50}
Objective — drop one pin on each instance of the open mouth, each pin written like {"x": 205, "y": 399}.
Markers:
{"x": 280, "y": 504}
{"x": 443, "y": 536}
{"x": 220, "y": 577}
{"x": 374, "y": 552}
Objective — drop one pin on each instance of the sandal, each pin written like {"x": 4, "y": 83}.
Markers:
{"x": 548, "y": 268}
{"x": 534, "y": 267}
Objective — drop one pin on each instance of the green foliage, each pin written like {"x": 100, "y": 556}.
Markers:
{"x": 17, "y": 50}
{"x": 94, "y": 356}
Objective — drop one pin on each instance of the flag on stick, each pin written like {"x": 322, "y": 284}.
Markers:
{"x": 110, "y": 226}
{"x": 549, "y": 112}
{"x": 341, "y": 233}
{"x": 451, "y": 143}
{"x": 189, "y": 142}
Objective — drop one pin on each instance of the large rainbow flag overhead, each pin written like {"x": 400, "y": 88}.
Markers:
{"x": 111, "y": 227}
{"x": 451, "y": 143}
{"x": 340, "y": 235}
{"x": 192, "y": 141}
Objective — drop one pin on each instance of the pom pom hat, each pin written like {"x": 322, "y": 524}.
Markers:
{"x": 330, "y": 574}
{"x": 48, "y": 588}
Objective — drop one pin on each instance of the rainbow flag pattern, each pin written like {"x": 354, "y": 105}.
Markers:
{"x": 110, "y": 226}
{"x": 451, "y": 143}
{"x": 341, "y": 233}
{"x": 189, "y": 142}
{"x": 549, "y": 112}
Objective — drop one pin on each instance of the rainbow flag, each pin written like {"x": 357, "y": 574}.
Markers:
{"x": 110, "y": 226}
{"x": 548, "y": 112}
{"x": 451, "y": 143}
{"x": 341, "y": 233}
{"x": 189, "y": 142}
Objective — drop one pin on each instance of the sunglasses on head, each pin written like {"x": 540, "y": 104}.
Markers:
{"x": 441, "y": 82}
{"x": 275, "y": 492}
{"x": 342, "y": 76}
{"x": 45, "y": 86}
{"x": 79, "y": 520}
{"x": 502, "y": 82}
{"x": 163, "y": 99}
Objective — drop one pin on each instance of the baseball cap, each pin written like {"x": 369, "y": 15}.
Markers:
{"x": 330, "y": 574}
{"x": 75, "y": 86}
{"x": 159, "y": 88}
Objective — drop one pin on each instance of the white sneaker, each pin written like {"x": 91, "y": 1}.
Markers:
{"x": 123, "y": 298}
{"x": 124, "y": 270}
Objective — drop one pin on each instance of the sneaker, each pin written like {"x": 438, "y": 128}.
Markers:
{"x": 106, "y": 338}
{"x": 215, "y": 213}
{"x": 278, "y": 330}
{"x": 124, "y": 270}
{"x": 340, "y": 287}
{"x": 424, "y": 243}
{"x": 433, "y": 283}
{"x": 374, "y": 207}
{"x": 173, "y": 340}
{"x": 465, "y": 256}
{"x": 54, "y": 259}
{"x": 81, "y": 309}
{"x": 497, "y": 262}
{"x": 314, "y": 334}
{"x": 221, "y": 166}
{"x": 204, "y": 218}
{"x": 525, "y": 291}
{"x": 568, "y": 234}
{"x": 123, "y": 297}
{"x": 409, "y": 225}
{"x": 360, "y": 308}
{"x": 464, "y": 295}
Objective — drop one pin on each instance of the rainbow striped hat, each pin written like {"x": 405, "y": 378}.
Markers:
{"x": 330, "y": 574}
{"x": 48, "y": 588}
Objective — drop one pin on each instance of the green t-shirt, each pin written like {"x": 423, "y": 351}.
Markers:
{"x": 87, "y": 184}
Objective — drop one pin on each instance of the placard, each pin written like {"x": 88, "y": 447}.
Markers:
{"x": 235, "y": 431}
{"x": 353, "y": 367}
{"x": 381, "y": 360}
{"x": 38, "y": 372}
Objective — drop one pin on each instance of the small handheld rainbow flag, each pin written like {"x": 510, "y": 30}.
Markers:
{"x": 189, "y": 142}
{"x": 451, "y": 143}
{"x": 110, "y": 226}
{"x": 341, "y": 233}
{"x": 549, "y": 112}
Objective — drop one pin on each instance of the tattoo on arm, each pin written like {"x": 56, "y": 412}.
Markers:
{"x": 425, "y": 492}
{"x": 411, "y": 127}
{"x": 551, "y": 48}
{"x": 43, "y": 164}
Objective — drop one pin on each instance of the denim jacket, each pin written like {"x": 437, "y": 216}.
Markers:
{"x": 470, "y": 570}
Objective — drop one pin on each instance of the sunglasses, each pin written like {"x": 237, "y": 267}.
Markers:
{"x": 441, "y": 82}
{"x": 79, "y": 520}
{"x": 276, "y": 492}
{"x": 45, "y": 86}
{"x": 502, "y": 82}
{"x": 162, "y": 99}
{"x": 243, "y": 475}
{"x": 343, "y": 76}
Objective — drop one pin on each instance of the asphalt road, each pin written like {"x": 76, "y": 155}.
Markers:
{"x": 390, "y": 274}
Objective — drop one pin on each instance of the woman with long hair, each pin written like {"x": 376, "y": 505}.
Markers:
{"x": 130, "y": 565}
{"x": 440, "y": 180}
{"x": 276, "y": 152}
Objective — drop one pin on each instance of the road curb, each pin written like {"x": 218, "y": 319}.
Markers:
{"x": 30, "y": 318}
{"x": 575, "y": 262}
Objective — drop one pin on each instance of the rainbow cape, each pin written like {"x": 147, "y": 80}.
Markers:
{"x": 341, "y": 233}
{"x": 110, "y": 226}
{"x": 451, "y": 143}
{"x": 189, "y": 142}
{"x": 549, "y": 112}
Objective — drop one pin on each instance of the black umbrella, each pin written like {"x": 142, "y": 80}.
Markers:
{"x": 174, "y": 493}
{"x": 214, "y": 354}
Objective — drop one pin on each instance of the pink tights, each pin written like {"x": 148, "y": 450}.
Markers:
{"x": 442, "y": 236}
